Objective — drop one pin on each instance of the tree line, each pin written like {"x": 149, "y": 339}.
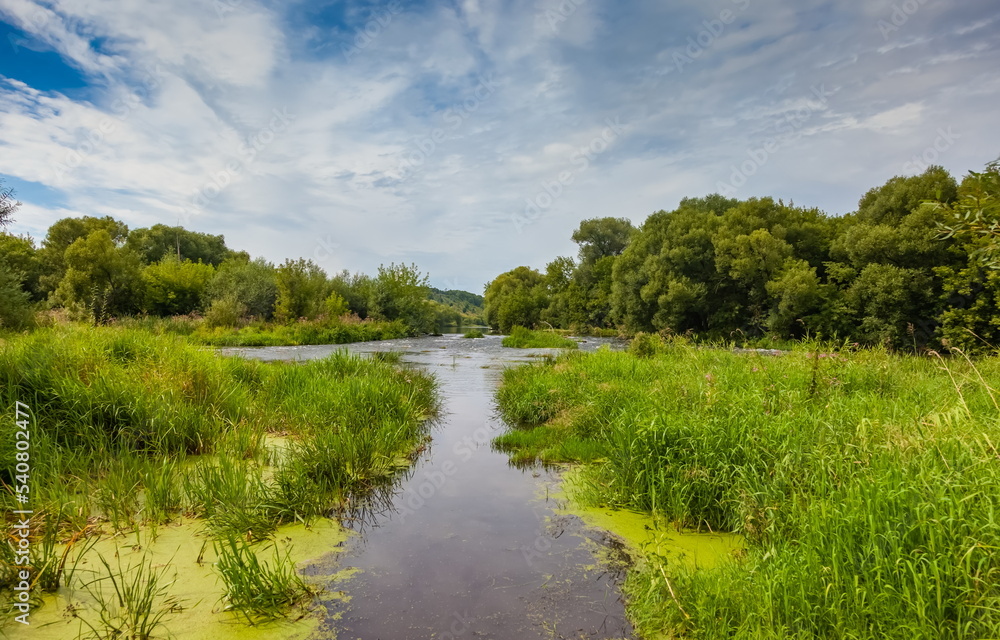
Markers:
{"x": 914, "y": 265}
{"x": 97, "y": 269}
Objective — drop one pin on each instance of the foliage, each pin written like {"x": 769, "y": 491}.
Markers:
{"x": 259, "y": 590}
{"x": 515, "y": 298}
{"x": 720, "y": 268}
{"x": 102, "y": 279}
{"x": 175, "y": 288}
{"x": 302, "y": 288}
{"x": 521, "y": 338}
{"x": 155, "y": 243}
{"x": 8, "y": 205}
{"x": 15, "y": 303}
{"x": 399, "y": 292}
{"x": 864, "y": 484}
{"x": 21, "y": 256}
{"x": 474, "y": 333}
{"x": 251, "y": 283}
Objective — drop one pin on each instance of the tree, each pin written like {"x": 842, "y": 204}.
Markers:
{"x": 302, "y": 289}
{"x": 22, "y": 256}
{"x": 515, "y": 298}
{"x": 249, "y": 285}
{"x": 602, "y": 237}
{"x": 8, "y": 205}
{"x": 159, "y": 241}
{"x": 400, "y": 292}
{"x": 64, "y": 233}
{"x": 102, "y": 278}
{"x": 173, "y": 287}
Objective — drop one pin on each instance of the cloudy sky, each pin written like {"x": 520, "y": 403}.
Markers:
{"x": 470, "y": 136}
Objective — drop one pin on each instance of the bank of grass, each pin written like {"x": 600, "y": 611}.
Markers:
{"x": 521, "y": 338}
{"x": 131, "y": 430}
{"x": 272, "y": 334}
{"x": 866, "y": 484}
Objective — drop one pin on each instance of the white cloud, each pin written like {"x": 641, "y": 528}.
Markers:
{"x": 331, "y": 174}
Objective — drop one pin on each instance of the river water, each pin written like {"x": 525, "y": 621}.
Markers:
{"x": 465, "y": 545}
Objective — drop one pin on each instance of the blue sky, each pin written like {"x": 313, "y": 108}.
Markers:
{"x": 469, "y": 136}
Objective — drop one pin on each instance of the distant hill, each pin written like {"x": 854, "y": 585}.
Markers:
{"x": 468, "y": 304}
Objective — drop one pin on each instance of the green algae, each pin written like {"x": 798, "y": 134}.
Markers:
{"x": 645, "y": 534}
{"x": 186, "y": 554}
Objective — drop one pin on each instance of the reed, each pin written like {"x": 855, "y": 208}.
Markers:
{"x": 865, "y": 483}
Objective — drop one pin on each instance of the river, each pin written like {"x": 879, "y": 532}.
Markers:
{"x": 465, "y": 545}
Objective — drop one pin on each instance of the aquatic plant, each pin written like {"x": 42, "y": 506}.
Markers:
{"x": 257, "y": 589}
{"x": 865, "y": 483}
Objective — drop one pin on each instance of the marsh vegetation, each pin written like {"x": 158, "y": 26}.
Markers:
{"x": 864, "y": 483}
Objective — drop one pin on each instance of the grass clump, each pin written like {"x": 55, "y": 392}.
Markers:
{"x": 521, "y": 338}
{"x": 132, "y": 601}
{"x": 257, "y": 589}
{"x": 865, "y": 484}
{"x": 474, "y": 333}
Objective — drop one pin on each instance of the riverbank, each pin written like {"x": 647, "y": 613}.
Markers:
{"x": 863, "y": 483}
{"x": 130, "y": 433}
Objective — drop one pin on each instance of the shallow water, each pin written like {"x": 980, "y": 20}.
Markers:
{"x": 468, "y": 546}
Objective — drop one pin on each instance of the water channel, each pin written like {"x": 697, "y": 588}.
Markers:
{"x": 467, "y": 546}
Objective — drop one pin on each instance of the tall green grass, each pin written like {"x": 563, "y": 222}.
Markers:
{"x": 866, "y": 484}
{"x": 137, "y": 429}
{"x": 272, "y": 334}
{"x": 521, "y": 338}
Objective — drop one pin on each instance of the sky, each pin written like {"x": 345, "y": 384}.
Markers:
{"x": 470, "y": 137}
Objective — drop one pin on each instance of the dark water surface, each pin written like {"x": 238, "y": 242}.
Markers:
{"x": 467, "y": 546}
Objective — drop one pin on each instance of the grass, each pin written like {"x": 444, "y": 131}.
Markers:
{"x": 474, "y": 333}
{"x": 258, "y": 590}
{"x": 865, "y": 484}
{"x": 133, "y": 430}
{"x": 272, "y": 334}
{"x": 132, "y": 601}
{"x": 521, "y": 338}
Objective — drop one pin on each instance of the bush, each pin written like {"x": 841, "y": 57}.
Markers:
{"x": 475, "y": 333}
{"x": 225, "y": 312}
{"x": 521, "y": 338}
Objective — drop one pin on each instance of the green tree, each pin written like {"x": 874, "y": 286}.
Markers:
{"x": 173, "y": 287}
{"x": 400, "y": 292}
{"x": 515, "y": 298}
{"x": 250, "y": 285}
{"x": 22, "y": 256}
{"x": 602, "y": 237}
{"x": 155, "y": 243}
{"x": 102, "y": 278}
{"x": 302, "y": 289}
{"x": 64, "y": 233}
{"x": 8, "y": 205}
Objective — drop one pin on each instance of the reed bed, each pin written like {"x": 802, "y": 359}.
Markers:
{"x": 866, "y": 484}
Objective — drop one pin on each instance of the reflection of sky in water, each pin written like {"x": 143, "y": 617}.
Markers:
{"x": 465, "y": 544}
